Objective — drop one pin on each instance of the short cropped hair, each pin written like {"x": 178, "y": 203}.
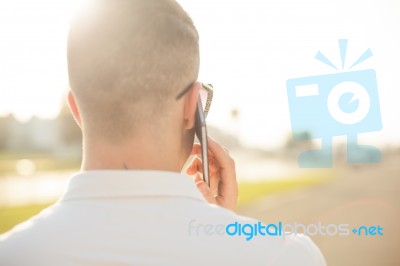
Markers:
{"x": 127, "y": 60}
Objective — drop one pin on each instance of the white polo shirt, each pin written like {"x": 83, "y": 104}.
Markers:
{"x": 144, "y": 218}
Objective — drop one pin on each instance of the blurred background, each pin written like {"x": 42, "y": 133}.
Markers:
{"x": 249, "y": 49}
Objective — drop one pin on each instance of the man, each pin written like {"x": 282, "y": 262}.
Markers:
{"x": 133, "y": 66}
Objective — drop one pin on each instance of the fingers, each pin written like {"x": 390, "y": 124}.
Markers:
{"x": 198, "y": 178}
{"x": 220, "y": 153}
{"x": 227, "y": 187}
{"x": 225, "y": 161}
{"x": 205, "y": 191}
{"x": 195, "y": 166}
{"x": 223, "y": 186}
{"x": 196, "y": 149}
{"x": 196, "y": 169}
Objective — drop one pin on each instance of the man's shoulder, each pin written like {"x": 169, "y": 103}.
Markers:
{"x": 183, "y": 226}
{"x": 26, "y": 239}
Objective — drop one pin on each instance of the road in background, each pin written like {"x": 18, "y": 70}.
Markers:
{"x": 366, "y": 195}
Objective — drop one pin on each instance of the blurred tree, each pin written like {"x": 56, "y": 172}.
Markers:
{"x": 303, "y": 135}
{"x": 299, "y": 141}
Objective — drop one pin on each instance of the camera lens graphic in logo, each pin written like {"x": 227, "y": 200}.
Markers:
{"x": 348, "y": 102}
{"x": 338, "y": 104}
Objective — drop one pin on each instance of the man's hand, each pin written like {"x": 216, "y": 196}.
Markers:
{"x": 223, "y": 189}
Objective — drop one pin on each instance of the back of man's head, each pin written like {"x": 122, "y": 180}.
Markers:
{"x": 127, "y": 60}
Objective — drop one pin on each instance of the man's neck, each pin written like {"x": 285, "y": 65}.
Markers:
{"x": 137, "y": 154}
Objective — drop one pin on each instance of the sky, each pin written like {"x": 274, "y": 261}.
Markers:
{"x": 249, "y": 48}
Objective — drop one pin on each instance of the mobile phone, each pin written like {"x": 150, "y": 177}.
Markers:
{"x": 201, "y": 133}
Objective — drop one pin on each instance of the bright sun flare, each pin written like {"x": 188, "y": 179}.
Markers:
{"x": 33, "y": 56}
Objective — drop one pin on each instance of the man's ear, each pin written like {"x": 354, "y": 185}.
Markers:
{"x": 190, "y": 105}
{"x": 74, "y": 108}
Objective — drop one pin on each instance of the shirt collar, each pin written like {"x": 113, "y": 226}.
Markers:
{"x": 130, "y": 183}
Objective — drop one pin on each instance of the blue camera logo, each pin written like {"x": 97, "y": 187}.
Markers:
{"x": 338, "y": 104}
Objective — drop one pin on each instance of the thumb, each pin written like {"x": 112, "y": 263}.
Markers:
{"x": 205, "y": 191}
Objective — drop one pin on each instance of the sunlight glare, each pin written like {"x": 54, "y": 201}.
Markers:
{"x": 33, "y": 65}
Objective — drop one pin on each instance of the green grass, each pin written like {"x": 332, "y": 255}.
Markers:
{"x": 11, "y": 216}
{"x": 251, "y": 191}
{"x": 42, "y": 161}
{"x": 248, "y": 192}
